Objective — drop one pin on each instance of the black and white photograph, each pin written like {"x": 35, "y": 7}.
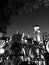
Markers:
{"x": 24, "y": 32}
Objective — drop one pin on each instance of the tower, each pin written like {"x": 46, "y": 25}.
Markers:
{"x": 37, "y": 33}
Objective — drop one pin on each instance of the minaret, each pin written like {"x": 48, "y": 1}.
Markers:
{"x": 37, "y": 33}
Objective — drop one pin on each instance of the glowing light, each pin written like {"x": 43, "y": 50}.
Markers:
{"x": 2, "y": 50}
{"x": 25, "y": 41}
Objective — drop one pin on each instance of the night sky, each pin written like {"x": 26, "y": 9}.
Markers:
{"x": 24, "y": 23}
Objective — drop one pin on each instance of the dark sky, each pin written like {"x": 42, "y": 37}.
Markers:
{"x": 25, "y": 22}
